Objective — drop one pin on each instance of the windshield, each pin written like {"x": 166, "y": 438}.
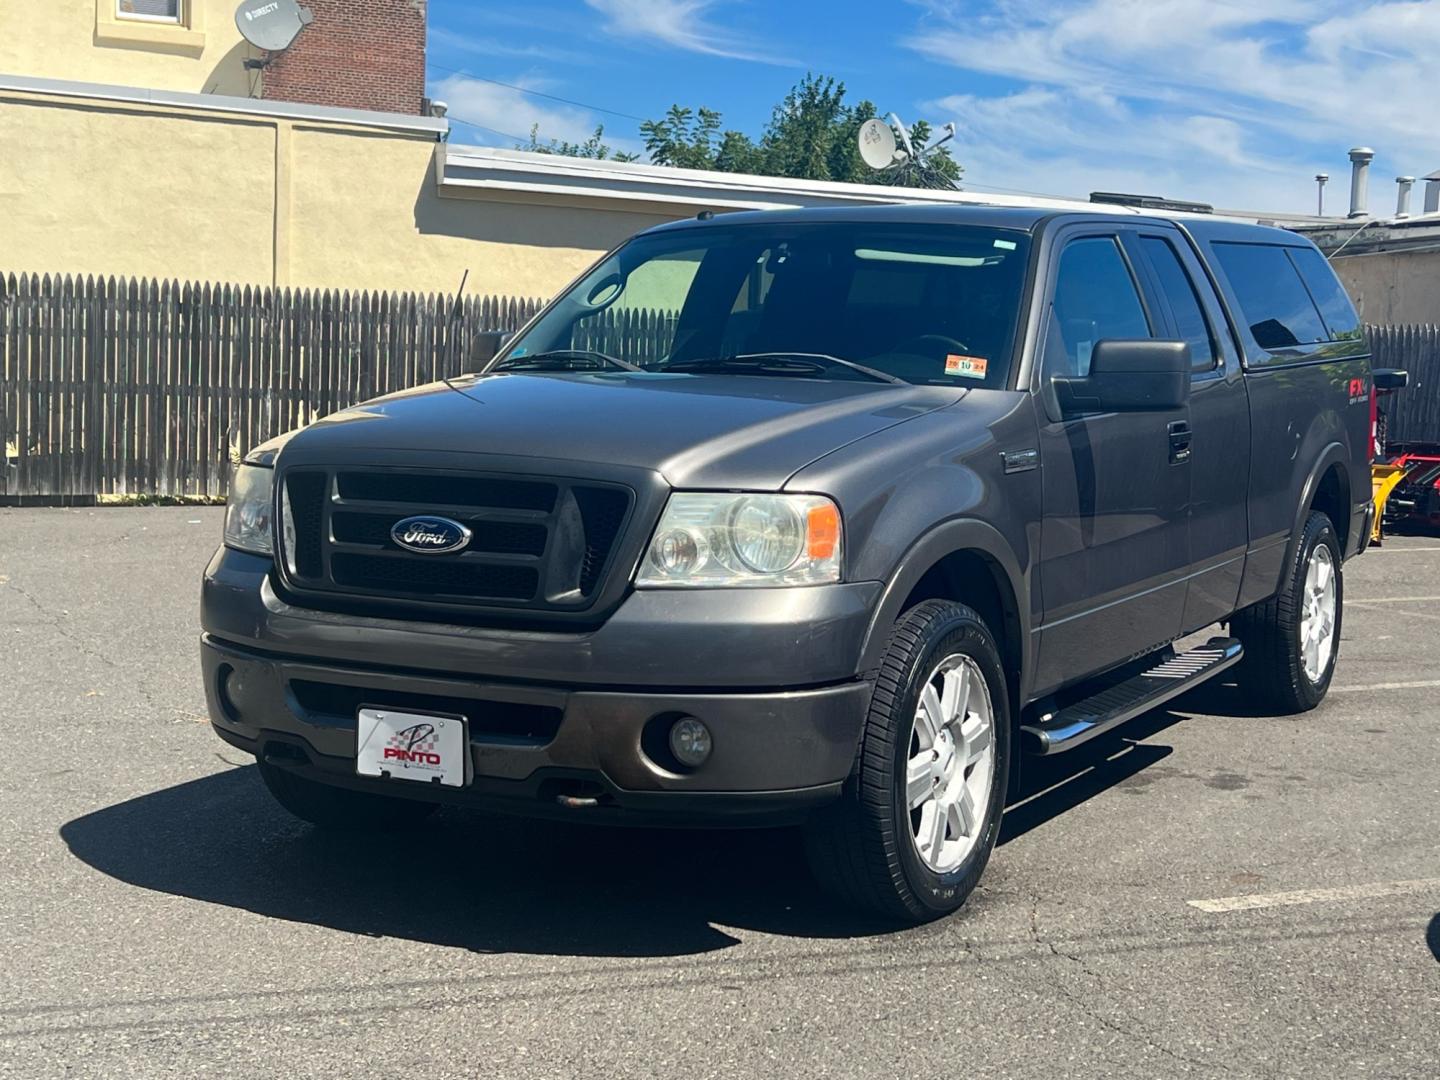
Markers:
{"x": 934, "y": 304}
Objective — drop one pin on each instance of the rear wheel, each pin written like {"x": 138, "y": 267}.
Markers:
{"x": 340, "y": 808}
{"x": 1292, "y": 640}
{"x": 918, "y": 819}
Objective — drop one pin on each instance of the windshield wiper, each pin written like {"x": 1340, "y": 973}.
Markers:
{"x": 780, "y": 363}
{"x": 565, "y": 360}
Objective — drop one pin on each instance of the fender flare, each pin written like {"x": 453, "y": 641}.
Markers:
{"x": 963, "y": 534}
{"x": 1333, "y": 454}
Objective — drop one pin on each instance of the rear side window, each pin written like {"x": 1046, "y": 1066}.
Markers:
{"x": 1095, "y": 299}
{"x": 1273, "y": 299}
{"x": 1179, "y": 292}
{"x": 1329, "y": 295}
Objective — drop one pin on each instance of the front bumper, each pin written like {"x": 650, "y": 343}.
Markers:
{"x": 559, "y": 715}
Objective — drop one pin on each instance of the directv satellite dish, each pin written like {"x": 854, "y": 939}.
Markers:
{"x": 272, "y": 25}
{"x": 877, "y": 144}
{"x": 906, "y": 164}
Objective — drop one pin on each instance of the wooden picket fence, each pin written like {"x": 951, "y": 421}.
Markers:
{"x": 130, "y": 387}
{"x": 153, "y": 388}
{"x": 1413, "y": 414}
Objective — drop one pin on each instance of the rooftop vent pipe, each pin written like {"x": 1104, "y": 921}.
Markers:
{"x": 1402, "y": 198}
{"x": 1432, "y": 193}
{"x": 1321, "y": 179}
{"x": 1360, "y": 158}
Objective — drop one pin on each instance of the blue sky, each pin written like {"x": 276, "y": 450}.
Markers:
{"x": 1235, "y": 102}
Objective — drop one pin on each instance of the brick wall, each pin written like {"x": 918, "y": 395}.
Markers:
{"x": 358, "y": 54}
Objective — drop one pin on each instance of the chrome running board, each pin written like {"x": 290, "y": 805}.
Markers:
{"x": 1082, "y": 721}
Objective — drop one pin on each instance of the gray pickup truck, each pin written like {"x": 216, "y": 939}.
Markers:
{"x": 817, "y": 517}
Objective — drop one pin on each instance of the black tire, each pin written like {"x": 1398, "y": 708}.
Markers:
{"x": 1272, "y": 672}
{"x": 340, "y": 809}
{"x": 862, "y": 848}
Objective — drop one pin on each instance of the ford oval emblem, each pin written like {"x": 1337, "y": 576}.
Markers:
{"x": 430, "y": 535}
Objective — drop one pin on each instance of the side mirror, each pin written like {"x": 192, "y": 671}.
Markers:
{"x": 1128, "y": 376}
{"x": 1390, "y": 378}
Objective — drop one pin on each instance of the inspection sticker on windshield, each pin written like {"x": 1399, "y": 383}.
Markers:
{"x": 967, "y": 367}
{"x": 398, "y": 745}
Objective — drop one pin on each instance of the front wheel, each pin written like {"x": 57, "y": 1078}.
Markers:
{"x": 1292, "y": 640}
{"x": 918, "y": 819}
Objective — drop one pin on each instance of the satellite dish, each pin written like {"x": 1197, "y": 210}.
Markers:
{"x": 890, "y": 148}
{"x": 877, "y": 144}
{"x": 272, "y": 25}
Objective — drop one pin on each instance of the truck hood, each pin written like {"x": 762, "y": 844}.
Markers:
{"x": 699, "y": 431}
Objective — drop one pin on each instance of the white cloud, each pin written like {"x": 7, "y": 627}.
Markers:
{"x": 1044, "y": 140}
{"x": 509, "y": 114}
{"x": 681, "y": 24}
{"x": 1233, "y": 101}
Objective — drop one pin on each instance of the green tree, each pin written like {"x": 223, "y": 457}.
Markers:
{"x": 811, "y": 135}
{"x": 804, "y": 129}
{"x": 594, "y": 147}
{"x": 739, "y": 154}
{"x": 683, "y": 138}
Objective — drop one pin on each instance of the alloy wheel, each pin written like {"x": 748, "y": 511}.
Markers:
{"x": 951, "y": 767}
{"x": 1317, "y": 614}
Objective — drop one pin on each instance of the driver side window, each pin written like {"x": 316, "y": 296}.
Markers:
{"x": 1095, "y": 298}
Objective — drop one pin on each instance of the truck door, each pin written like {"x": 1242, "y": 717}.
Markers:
{"x": 1114, "y": 544}
{"x": 1219, "y": 425}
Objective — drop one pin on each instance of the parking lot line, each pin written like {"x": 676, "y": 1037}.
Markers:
{"x": 1394, "y": 600}
{"x": 1404, "y": 611}
{"x": 1399, "y": 550}
{"x": 1310, "y": 896}
{"x": 1423, "y": 684}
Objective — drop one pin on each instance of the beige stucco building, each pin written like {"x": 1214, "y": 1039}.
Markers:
{"x": 143, "y": 145}
{"x": 1390, "y": 267}
{"x": 138, "y": 144}
{"x": 116, "y": 41}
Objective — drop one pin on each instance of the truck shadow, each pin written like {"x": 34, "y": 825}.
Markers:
{"x": 1222, "y": 696}
{"x": 1432, "y": 936}
{"x": 504, "y": 885}
{"x": 463, "y": 879}
{"x": 1052, "y": 786}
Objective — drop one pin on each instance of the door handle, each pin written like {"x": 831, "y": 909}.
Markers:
{"x": 1179, "y": 431}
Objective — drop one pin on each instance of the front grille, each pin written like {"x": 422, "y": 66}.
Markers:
{"x": 429, "y": 489}
{"x": 536, "y": 543}
{"x": 434, "y": 578}
{"x": 497, "y": 537}
{"x": 603, "y": 510}
{"x": 307, "y": 500}
{"x": 337, "y": 704}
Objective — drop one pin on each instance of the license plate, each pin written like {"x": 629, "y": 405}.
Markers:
{"x": 400, "y": 745}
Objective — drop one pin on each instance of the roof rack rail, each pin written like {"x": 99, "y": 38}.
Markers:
{"x": 1150, "y": 202}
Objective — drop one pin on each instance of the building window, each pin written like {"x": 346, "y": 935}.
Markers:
{"x": 173, "y": 26}
{"x": 168, "y": 11}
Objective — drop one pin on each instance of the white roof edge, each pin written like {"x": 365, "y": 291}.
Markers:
{"x": 478, "y": 167}
{"x": 420, "y": 125}
{"x": 484, "y": 168}
{"x": 1349, "y": 224}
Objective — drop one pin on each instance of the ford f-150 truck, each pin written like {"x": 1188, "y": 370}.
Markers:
{"x": 819, "y": 517}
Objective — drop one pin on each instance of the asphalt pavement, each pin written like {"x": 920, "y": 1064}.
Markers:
{"x": 1208, "y": 892}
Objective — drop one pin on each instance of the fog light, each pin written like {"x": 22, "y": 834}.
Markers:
{"x": 690, "y": 742}
{"x": 226, "y": 682}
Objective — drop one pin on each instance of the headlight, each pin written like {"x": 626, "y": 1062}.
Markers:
{"x": 250, "y": 512}
{"x": 726, "y": 540}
